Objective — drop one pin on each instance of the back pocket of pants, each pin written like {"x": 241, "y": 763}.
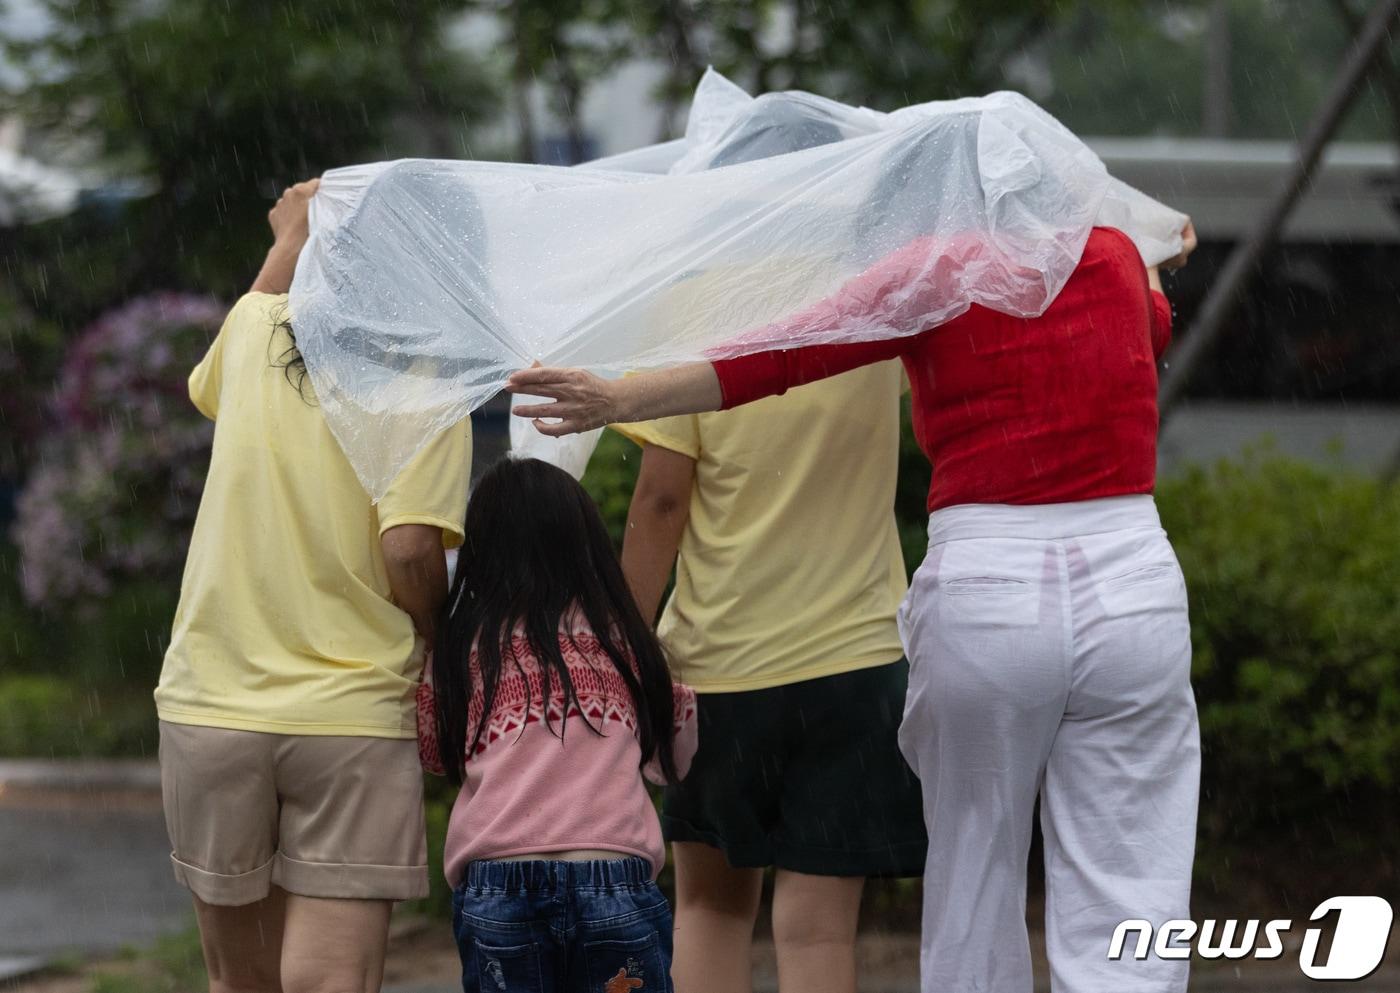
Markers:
{"x": 626, "y": 965}
{"x": 985, "y": 585}
{"x": 507, "y": 968}
{"x": 982, "y": 601}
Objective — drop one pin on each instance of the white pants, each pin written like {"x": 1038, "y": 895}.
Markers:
{"x": 1050, "y": 656}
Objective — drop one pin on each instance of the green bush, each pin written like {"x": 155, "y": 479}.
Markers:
{"x": 611, "y": 475}
{"x": 172, "y": 964}
{"x": 438, "y": 796}
{"x": 1294, "y": 579}
{"x": 52, "y": 717}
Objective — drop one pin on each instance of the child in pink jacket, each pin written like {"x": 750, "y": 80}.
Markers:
{"x": 549, "y": 700}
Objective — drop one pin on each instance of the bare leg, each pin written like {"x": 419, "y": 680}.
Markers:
{"x": 243, "y": 945}
{"x": 814, "y": 929}
{"x": 716, "y": 906}
{"x": 334, "y": 946}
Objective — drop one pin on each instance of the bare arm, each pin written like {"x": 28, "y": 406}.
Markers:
{"x": 655, "y": 521}
{"x": 583, "y": 401}
{"x": 290, "y": 228}
{"x": 275, "y": 276}
{"x": 417, "y": 571}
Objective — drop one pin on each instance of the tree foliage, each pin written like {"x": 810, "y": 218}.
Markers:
{"x": 209, "y": 108}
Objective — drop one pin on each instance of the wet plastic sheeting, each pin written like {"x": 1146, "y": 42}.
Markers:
{"x": 426, "y": 283}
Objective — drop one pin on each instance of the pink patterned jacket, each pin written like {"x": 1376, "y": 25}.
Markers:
{"x": 528, "y": 789}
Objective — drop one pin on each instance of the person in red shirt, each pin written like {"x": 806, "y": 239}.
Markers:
{"x": 1047, "y": 628}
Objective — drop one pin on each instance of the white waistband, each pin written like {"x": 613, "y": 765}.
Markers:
{"x": 1045, "y": 521}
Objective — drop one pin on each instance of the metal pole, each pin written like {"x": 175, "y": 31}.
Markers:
{"x": 1224, "y": 296}
{"x": 1216, "y": 109}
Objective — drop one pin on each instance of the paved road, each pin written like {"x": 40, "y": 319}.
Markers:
{"x": 84, "y": 866}
{"x": 84, "y": 862}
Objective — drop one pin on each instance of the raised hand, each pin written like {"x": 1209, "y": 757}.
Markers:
{"x": 1188, "y": 245}
{"x": 582, "y": 401}
{"x": 289, "y": 220}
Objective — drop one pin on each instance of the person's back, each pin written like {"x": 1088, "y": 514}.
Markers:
{"x": 536, "y": 781}
{"x": 788, "y": 576}
{"x": 752, "y": 608}
{"x": 1048, "y": 624}
{"x": 289, "y": 775}
{"x": 286, "y": 622}
{"x": 1049, "y": 409}
{"x": 1011, "y": 410}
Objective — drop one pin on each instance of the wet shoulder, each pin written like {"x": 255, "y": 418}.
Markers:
{"x": 1110, "y": 246}
{"x": 252, "y": 328}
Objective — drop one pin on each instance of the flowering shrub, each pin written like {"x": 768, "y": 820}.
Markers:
{"x": 115, "y": 490}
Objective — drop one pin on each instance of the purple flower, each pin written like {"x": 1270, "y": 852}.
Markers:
{"x": 119, "y": 478}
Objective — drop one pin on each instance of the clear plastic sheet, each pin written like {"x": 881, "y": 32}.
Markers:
{"x": 426, "y": 283}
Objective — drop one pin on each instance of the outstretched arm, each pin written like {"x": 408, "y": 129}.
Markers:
{"x": 583, "y": 401}
{"x": 907, "y": 285}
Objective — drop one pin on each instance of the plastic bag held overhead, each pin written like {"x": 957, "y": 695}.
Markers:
{"x": 424, "y": 284}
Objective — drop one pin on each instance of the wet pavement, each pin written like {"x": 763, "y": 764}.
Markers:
{"x": 85, "y": 864}
{"x": 84, "y": 869}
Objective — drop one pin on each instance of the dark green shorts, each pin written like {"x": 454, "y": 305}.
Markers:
{"x": 806, "y": 777}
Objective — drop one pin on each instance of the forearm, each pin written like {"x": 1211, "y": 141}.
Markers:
{"x": 686, "y": 389}
{"x": 419, "y": 590}
{"x": 275, "y": 276}
{"x": 290, "y": 222}
{"x": 648, "y": 554}
{"x": 656, "y": 520}
{"x": 417, "y": 571}
{"x": 763, "y": 374}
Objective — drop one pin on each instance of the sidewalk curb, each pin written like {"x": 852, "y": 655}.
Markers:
{"x": 80, "y": 774}
{"x": 20, "y": 967}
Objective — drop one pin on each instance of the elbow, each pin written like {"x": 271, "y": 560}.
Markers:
{"x": 411, "y": 546}
{"x": 659, "y": 506}
{"x": 663, "y": 504}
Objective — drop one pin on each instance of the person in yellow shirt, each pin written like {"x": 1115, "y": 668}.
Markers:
{"x": 289, "y": 766}
{"x": 787, "y": 582}
{"x": 779, "y": 520}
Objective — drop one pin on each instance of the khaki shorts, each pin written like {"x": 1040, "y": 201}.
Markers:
{"x": 320, "y": 816}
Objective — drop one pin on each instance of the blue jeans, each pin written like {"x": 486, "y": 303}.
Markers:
{"x": 562, "y": 927}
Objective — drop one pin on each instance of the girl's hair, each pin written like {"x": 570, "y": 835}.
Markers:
{"x": 289, "y": 360}
{"x": 536, "y": 555}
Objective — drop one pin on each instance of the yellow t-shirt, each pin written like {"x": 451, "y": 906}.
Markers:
{"x": 285, "y": 623}
{"x": 789, "y": 566}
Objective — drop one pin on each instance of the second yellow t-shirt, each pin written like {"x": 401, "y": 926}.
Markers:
{"x": 789, "y": 567}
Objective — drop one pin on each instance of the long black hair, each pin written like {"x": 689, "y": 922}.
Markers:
{"x": 536, "y": 552}
{"x": 289, "y": 360}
